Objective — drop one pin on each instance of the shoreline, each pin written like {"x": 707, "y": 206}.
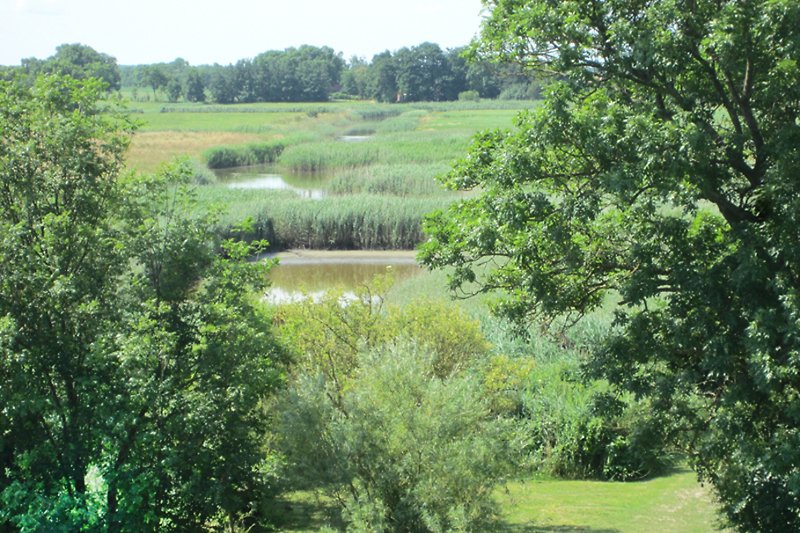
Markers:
{"x": 366, "y": 257}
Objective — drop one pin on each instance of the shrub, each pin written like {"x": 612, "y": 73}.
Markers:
{"x": 469, "y": 96}
{"x": 403, "y": 450}
{"x": 326, "y": 335}
{"x": 584, "y": 431}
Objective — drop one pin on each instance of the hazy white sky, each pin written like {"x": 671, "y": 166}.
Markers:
{"x": 223, "y": 31}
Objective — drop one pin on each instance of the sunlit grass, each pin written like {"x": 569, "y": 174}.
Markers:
{"x": 149, "y": 149}
{"x": 674, "y": 503}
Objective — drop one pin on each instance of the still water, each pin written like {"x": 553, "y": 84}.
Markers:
{"x": 266, "y": 177}
{"x": 303, "y": 274}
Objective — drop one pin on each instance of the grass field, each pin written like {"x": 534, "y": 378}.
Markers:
{"x": 674, "y": 503}
{"x": 170, "y": 130}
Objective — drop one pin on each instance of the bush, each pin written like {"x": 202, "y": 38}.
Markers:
{"x": 326, "y": 336}
{"x": 583, "y": 431}
{"x": 403, "y": 450}
{"x": 469, "y": 96}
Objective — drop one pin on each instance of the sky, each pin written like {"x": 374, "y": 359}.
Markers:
{"x": 224, "y": 31}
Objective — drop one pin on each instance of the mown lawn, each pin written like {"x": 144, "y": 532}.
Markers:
{"x": 675, "y": 503}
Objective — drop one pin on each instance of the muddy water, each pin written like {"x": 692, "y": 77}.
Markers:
{"x": 312, "y": 272}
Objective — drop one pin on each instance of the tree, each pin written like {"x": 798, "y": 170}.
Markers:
{"x": 355, "y": 77}
{"x": 174, "y": 89}
{"x": 81, "y": 61}
{"x": 155, "y": 77}
{"x": 424, "y": 74}
{"x": 195, "y": 87}
{"x": 662, "y": 167}
{"x": 222, "y": 87}
{"x": 383, "y": 78}
{"x": 132, "y": 360}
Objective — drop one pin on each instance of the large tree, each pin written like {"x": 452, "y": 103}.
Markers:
{"x": 662, "y": 167}
{"x": 132, "y": 361}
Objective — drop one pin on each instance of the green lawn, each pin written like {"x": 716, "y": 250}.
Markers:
{"x": 675, "y": 503}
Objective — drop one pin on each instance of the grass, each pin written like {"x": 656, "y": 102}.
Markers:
{"x": 150, "y": 149}
{"x": 676, "y": 503}
{"x": 367, "y": 222}
{"x": 382, "y": 186}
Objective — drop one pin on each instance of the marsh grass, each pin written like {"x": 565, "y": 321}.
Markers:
{"x": 367, "y": 222}
{"x": 321, "y": 156}
{"x": 150, "y": 149}
{"x": 244, "y": 155}
{"x": 395, "y": 180}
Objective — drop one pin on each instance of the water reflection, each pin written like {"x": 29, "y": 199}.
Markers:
{"x": 267, "y": 177}
{"x": 300, "y": 277}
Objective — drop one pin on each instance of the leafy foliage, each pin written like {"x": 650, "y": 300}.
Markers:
{"x": 387, "y": 411}
{"x": 402, "y": 449}
{"x": 132, "y": 360}
{"x": 661, "y": 167}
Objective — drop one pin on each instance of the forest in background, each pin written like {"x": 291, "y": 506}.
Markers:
{"x": 305, "y": 74}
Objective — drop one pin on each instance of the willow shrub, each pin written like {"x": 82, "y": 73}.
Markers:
{"x": 401, "y": 449}
{"x": 387, "y": 411}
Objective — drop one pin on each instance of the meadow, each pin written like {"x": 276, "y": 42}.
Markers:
{"x": 376, "y": 189}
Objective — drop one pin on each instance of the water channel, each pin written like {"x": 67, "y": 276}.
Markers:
{"x": 308, "y": 273}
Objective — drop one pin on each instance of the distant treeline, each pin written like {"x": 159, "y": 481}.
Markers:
{"x": 305, "y": 74}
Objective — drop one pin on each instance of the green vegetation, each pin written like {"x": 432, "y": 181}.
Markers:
{"x": 674, "y": 503}
{"x": 659, "y": 168}
{"x": 133, "y": 361}
{"x": 240, "y": 156}
{"x": 635, "y": 235}
{"x": 377, "y": 189}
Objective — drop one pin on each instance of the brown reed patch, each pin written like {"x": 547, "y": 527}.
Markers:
{"x": 149, "y": 149}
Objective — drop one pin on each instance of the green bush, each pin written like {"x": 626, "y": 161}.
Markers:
{"x": 583, "y": 431}
{"x": 326, "y": 336}
{"x": 402, "y": 450}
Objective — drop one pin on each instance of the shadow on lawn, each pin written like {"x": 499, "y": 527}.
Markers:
{"x": 309, "y": 515}
{"x": 519, "y": 528}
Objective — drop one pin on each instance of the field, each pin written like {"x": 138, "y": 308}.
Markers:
{"x": 375, "y": 191}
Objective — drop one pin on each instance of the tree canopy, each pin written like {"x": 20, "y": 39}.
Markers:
{"x": 79, "y": 61}
{"x": 661, "y": 168}
{"x": 133, "y": 363}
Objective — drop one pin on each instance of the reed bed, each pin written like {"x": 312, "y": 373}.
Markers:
{"x": 409, "y": 179}
{"x": 317, "y": 157}
{"x": 358, "y": 222}
{"x": 243, "y": 155}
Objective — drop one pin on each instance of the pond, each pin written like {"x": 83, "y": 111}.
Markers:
{"x": 267, "y": 177}
{"x": 308, "y": 273}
